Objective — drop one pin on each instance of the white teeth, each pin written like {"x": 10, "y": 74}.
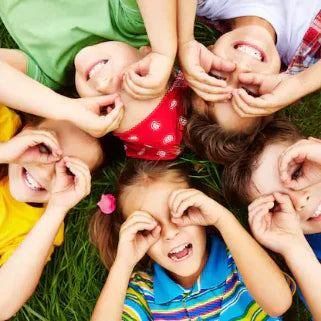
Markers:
{"x": 250, "y": 51}
{"x": 178, "y": 249}
{"x": 317, "y": 212}
{"x": 96, "y": 68}
{"x": 31, "y": 182}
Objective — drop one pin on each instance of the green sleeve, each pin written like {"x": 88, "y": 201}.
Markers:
{"x": 35, "y": 72}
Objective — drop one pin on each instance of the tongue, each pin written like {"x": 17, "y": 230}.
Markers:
{"x": 182, "y": 253}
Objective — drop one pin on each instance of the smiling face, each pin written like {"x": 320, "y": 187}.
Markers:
{"x": 33, "y": 182}
{"x": 307, "y": 202}
{"x": 180, "y": 250}
{"x": 252, "y": 49}
{"x": 99, "y": 68}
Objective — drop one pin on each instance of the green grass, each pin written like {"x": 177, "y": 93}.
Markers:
{"x": 72, "y": 281}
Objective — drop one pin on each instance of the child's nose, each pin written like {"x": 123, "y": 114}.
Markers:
{"x": 169, "y": 231}
{"x": 45, "y": 173}
{"x": 300, "y": 199}
{"x": 233, "y": 80}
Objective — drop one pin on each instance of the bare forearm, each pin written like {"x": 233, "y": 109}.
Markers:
{"x": 261, "y": 275}
{"x": 309, "y": 79}
{"x": 160, "y": 21}
{"x": 111, "y": 300}
{"x": 20, "y": 92}
{"x": 20, "y": 275}
{"x": 307, "y": 271}
{"x": 186, "y": 10}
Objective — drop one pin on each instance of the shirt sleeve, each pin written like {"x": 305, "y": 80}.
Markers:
{"x": 35, "y": 72}
{"x": 135, "y": 307}
{"x": 9, "y": 250}
{"x": 9, "y": 123}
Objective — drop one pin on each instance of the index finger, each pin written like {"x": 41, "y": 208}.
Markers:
{"x": 289, "y": 156}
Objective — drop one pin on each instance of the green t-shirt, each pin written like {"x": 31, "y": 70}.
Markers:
{"x": 52, "y": 32}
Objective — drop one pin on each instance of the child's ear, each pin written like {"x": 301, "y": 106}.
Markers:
{"x": 145, "y": 50}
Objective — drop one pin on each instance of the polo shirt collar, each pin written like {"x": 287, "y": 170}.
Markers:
{"x": 214, "y": 273}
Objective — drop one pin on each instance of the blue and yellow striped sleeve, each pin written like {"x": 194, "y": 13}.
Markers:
{"x": 135, "y": 306}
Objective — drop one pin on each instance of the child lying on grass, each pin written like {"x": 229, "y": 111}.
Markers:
{"x": 45, "y": 171}
{"x": 187, "y": 272}
{"x": 237, "y": 80}
{"x": 280, "y": 173}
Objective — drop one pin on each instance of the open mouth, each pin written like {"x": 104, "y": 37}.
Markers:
{"x": 96, "y": 68}
{"x": 316, "y": 215}
{"x": 181, "y": 252}
{"x": 31, "y": 182}
{"x": 251, "y": 50}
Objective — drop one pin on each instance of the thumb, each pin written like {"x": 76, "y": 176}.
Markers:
{"x": 141, "y": 68}
{"x": 154, "y": 236}
{"x": 285, "y": 202}
{"x": 102, "y": 101}
{"x": 252, "y": 78}
{"x": 181, "y": 221}
{"x": 61, "y": 168}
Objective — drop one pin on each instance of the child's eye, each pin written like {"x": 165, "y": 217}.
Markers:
{"x": 216, "y": 76}
{"x": 69, "y": 172}
{"x": 249, "y": 92}
{"x": 276, "y": 207}
{"x": 44, "y": 149}
{"x": 297, "y": 173}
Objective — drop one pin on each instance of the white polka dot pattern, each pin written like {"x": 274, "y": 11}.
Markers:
{"x": 182, "y": 120}
{"x": 173, "y": 104}
{"x": 133, "y": 138}
{"x": 155, "y": 125}
{"x": 161, "y": 153}
{"x": 167, "y": 139}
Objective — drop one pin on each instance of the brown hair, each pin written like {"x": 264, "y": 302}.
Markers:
{"x": 210, "y": 140}
{"x": 236, "y": 177}
{"x": 104, "y": 229}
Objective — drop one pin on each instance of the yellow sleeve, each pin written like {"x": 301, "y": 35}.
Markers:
{"x": 10, "y": 122}
{"x": 13, "y": 246}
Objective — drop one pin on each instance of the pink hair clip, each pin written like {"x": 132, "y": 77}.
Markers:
{"x": 107, "y": 203}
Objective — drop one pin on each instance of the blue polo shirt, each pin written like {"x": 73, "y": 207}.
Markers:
{"x": 218, "y": 294}
{"x": 315, "y": 242}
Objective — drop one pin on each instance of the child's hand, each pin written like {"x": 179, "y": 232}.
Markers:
{"x": 72, "y": 183}
{"x": 277, "y": 229}
{"x": 197, "y": 62}
{"x": 96, "y": 116}
{"x": 192, "y": 207}
{"x": 148, "y": 78}
{"x": 139, "y": 232}
{"x": 276, "y": 90}
{"x": 295, "y": 161}
{"x": 31, "y": 146}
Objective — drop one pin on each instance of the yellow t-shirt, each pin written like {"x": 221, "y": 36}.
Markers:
{"x": 9, "y": 123}
{"x": 16, "y": 218}
{"x": 16, "y": 221}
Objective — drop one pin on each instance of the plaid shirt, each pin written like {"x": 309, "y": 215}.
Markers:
{"x": 309, "y": 52}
